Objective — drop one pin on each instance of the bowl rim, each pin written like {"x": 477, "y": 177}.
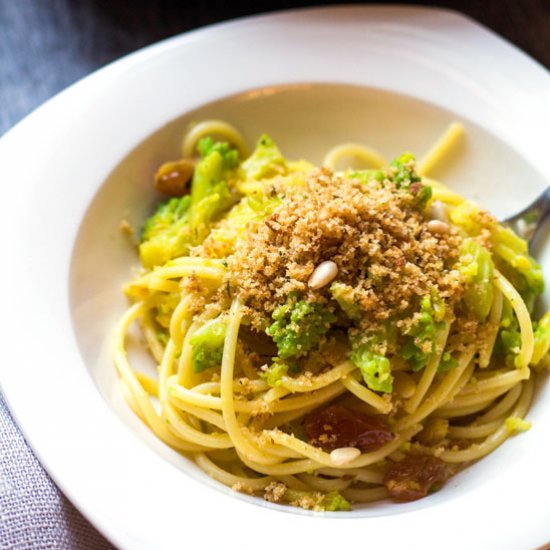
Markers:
{"x": 407, "y": 34}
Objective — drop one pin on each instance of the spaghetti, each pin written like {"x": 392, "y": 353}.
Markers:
{"x": 329, "y": 337}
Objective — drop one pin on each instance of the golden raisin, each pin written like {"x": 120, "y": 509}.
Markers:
{"x": 415, "y": 476}
{"x": 338, "y": 426}
{"x": 174, "y": 178}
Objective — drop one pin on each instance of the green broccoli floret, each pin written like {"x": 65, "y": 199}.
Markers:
{"x": 162, "y": 337}
{"x": 420, "y": 346}
{"x": 210, "y": 194}
{"x": 513, "y": 259}
{"x": 167, "y": 214}
{"x": 510, "y": 341}
{"x": 471, "y": 219}
{"x": 273, "y": 374}
{"x": 403, "y": 174}
{"x": 374, "y": 367}
{"x": 404, "y": 170}
{"x": 335, "y": 502}
{"x": 165, "y": 234}
{"x": 508, "y": 317}
{"x": 182, "y": 222}
{"x": 510, "y": 252}
{"x": 477, "y": 268}
{"x": 230, "y": 156}
{"x": 416, "y": 356}
{"x": 421, "y": 195}
{"x": 266, "y": 160}
{"x": 299, "y": 326}
{"x": 343, "y": 294}
{"x": 261, "y": 205}
{"x": 366, "y": 176}
{"x": 542, "y": 338}
{"x": 514, "y": 251}
{"x": 447, "y": 363}
{"x": 235, "y": 223}
{"x": 207, "y": 344}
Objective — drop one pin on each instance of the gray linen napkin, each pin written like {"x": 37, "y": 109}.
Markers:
{"x": 34, "y": 514}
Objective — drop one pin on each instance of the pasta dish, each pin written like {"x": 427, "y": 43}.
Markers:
{"x": 328, "y": 336}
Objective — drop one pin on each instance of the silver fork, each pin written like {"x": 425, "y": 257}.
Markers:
{"x": 528, "y": 222}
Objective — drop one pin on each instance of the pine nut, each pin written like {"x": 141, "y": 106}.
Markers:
{"x": 437, "y": 211}
{"x": 438, "y": 227}
{"x": 323, "y": 274}
{"x": 403, "y": 384}
{"x": 344, "y": 455}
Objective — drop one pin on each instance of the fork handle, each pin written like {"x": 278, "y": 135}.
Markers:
{"x": 527, "y": 222}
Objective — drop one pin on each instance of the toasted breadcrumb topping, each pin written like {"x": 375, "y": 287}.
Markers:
{"x": 275, "y": 492}
{"x": 381, "y": 244}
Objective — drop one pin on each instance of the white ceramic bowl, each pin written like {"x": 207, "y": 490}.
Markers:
{"x": 390, "y": 77}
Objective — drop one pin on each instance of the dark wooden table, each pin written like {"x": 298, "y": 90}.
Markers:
{"x": 45, "y": 45}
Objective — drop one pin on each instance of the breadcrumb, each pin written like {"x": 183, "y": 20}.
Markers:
{"x": 275, "y": 492}
{"x": 381, "y": 245}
